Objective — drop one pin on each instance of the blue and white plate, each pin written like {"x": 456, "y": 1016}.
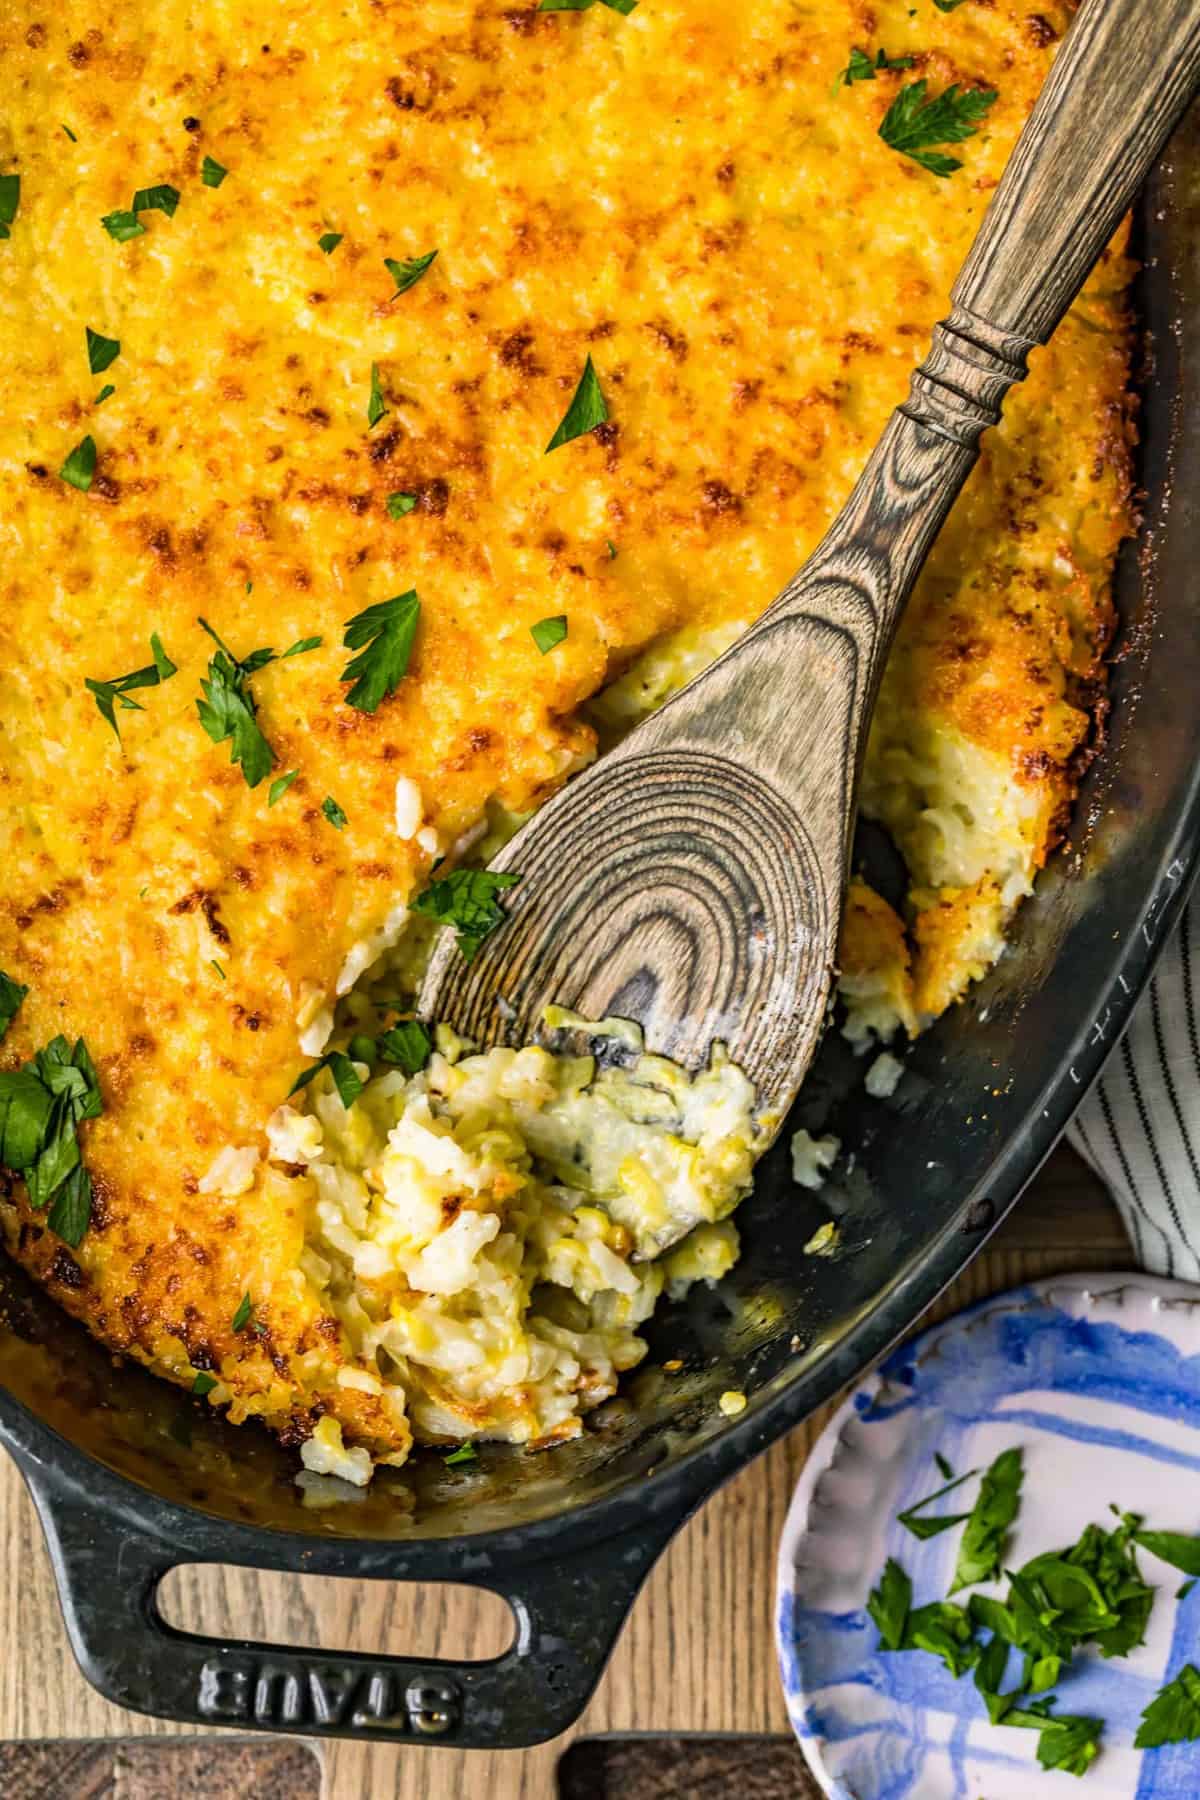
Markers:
{"x": 1097, "y": 1379}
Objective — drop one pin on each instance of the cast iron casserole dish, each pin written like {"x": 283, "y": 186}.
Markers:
{"x": 130, "y": 1480}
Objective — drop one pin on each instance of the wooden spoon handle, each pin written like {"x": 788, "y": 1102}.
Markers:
{"x": 1124, "y": 75}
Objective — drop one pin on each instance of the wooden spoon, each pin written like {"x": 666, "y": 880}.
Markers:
{"x": 693, "y": 879}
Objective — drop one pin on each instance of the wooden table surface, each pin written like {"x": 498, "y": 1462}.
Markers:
{"x": 696, "y": 1654}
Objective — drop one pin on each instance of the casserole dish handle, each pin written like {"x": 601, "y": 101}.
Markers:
{"x": 568, "y": 1612}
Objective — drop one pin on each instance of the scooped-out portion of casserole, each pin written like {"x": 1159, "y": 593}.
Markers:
{"x": 400, "y": 400}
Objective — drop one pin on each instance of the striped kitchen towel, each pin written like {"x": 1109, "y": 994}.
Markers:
{"x": 1139, "y": 1127}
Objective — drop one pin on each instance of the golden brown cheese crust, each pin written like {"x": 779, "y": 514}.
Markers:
{"x": 678, "y": 193}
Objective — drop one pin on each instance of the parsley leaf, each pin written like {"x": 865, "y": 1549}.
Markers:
{"x": 912, "y": 123}
{"x": 407, "y": 274}
{"x": 407, "y": 1044}
{"x": 71, "y": 1211}
{"x": 280, "y": 786}
{"x": 329, "y": 241}
{"x": 112, "y": 693}
{"x": 163, "y": 198}
{"x": 947, "y": 6}
{"x": 121, "y": 226}
{"x": 376, "y": 404}
{"x": 10, "y": 199}
{"x": 70, "y": 134}
{"x": 889, "y": 1603}
{"x": 11, "y": 995}
{"x": 1174, "y": 1548}
{"x": 993, "y": 1512}
{"x": 302, "y": 646}
{"x": 400, "y": 504}
{"x": 861, "y": 67}
{"x": 927, "y": 1528}
{"x": 80, "y": 466}
{"x": 241, "y": 1317}
{"x": 1173, "y": 1716}
{"x": 548, "y": 632}
{"x": 41, "y": 1106}
{"x": 204, "y": 1383}
{"x": 212, "y": 174}
{"x": 383, "y": 635}
{"x": 102, "y": 351}
{"x": 228, "y": 711}
{"x": 946, "y": 1631}
{"x": 466, "y": 899}
{"x": 1070, "y": 1743}
{"x": 334, "y": 813}
{"x": 586, "y": 411}
{"x": 346, "y": 1078}
{"x": 943, "y": 1466}
{"x": 104, "y": 394}
{"x": 625, "y": 7}
{"x": 466, "y": 1453}
{"x": 25, "y": 1108}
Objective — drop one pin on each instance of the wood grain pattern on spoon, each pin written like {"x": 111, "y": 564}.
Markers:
{"x": 693, "y": 879}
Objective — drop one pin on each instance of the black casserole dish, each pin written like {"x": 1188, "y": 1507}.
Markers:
{"x": 130, "y": 1479}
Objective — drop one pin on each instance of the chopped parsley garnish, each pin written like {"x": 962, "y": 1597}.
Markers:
{"x": 302, "y": 646}
{"x": 102, "y": 351}
{"x": 548, "y": 632}
{"x": 42, "y": 1104}
{"x": 376, "y": 404}
{"x": 329, "y": 241}
{"x": 105, "y": 393}
{"x": 228, "y": 710}
{"x": 921, "y": 1527}
{"x": 586, "y": 411}
{"x": 943, "y": 1466}
{"x": 241, "y": 1317}
{"x": 383, "y": 635}
{"x": 407, "y": 274}
{"x": 398, "y": 505}
{"x": 863, "y": 67}
{"x": 70, "y": 134}
{"x": 1091, "y": 1593}
{"x": 407, "y": 1044}
{"x": 204, "y": 1384}
{"x": 466, "y": 1453}
{"x": 612, "y": 550}
{"x": 80, "y": 466}
{"x": 216, "y": 965}
{"x": 618, "y": 6}
{"x": 10, "y": 199}
{"x": 913, "y": 124}
{"x": 11, "y": 996}
{"x": 1173, "y": 1716}
{"x": 162, "y": 198}
{"x": 280, "y": 786}
{"x": 346, "y": 1078}
{"x": 212, "y": 174}
{"x": 122, "y": 226}
{"x": 110, "y": 694}
{"x": 947, "y": 6}
{"x": 334, "y": 813}
{"x": 994, "y": 1510}
{"x": 466, "y": 899}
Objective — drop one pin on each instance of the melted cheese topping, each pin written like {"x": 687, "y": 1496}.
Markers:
{"x": 681, "y": 195}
